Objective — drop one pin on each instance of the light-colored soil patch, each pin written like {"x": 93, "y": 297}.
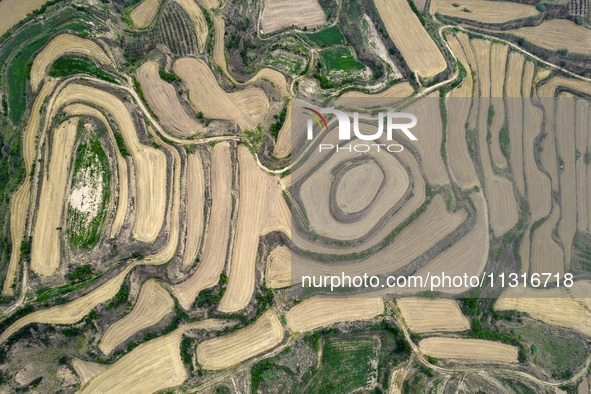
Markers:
{"x": 418, "y": 49}
{"x": 432, "y": 315}
{"x": 318, "y": 312}
{"x": 45, "y": 249}
{"x": 152, "y": 305}
{"x": 62, "y": 44}
{"x": 227, "y": 350}
{"x": 468, "y": 349}
{"x": 278, "y": 14}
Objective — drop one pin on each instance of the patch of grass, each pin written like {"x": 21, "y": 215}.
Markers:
{"x": 339, "y": 59}
{"x": 505, "y": 142}
{"x": 69, "y": 65}
{"x": 330, "y": 36}
{"x": 560, "y": 355}
{"x": 19, "y": 69}
{"x": 285, "y": 61}
{"x": 347, "y": 365}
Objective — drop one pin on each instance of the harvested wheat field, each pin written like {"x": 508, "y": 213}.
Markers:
{"x": 498, "y": 63}
{"x": 45, "y": 250}
{"x": 468, "y": 255}
{"x": 256, "y": 217}
{"x": 150, "y": 163}
{"x": 163, "y": 99}
{"x": 247, "y": 107}
{"x": 278, "y": 268}
{"x": 558, "y": 306}
{"x": 218, "y": 230}
{"x": 65, "y": 44}
{"x": 432, "y": 315}
{"x": 430, "y": 133}
{"x": 85, "y": 110}
{"x": 198, "y": 19}
{"x": 546, "y": 254}
{"x": 538, "y": 183}
{"x": 458, "y": 107}
{"x": 152, "y": 305}
{"x": 357, "y": 187}
{"x": 581, "y": 139}
{"x": 86, "y": 370}
{"x": 565, "y": 137}
{"x": 418, "y": 49}
{"x": 278, "y": 14}
{"x": 318, "y": 312}
{"x": 227, "y": 350}
{"x": 515, "y": 116}
{"x": 483, "y": 10}
{"x": 73, "y": 311}
{"x": 468, "y": 349}
{"x": 431, "y": 226}
{"x": 13, "y": 11}
{"x": 195, "y": 204}
{"x": 282, "y": 146}
{"x": 499, "y": 190}
{"x": 152, "y": 366}
{"x": 401, "y": 89}
{"x": 20, "y": 200}
{"x": 143, "y": 15}
{"x": 557, "y": 34}
{"x": 316, "y": 195}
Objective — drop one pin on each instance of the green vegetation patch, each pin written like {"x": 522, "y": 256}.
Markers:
{"x": 90, "y": 193}
{"x": 285, "y": 61}
{"x": 347, "y": 365}
{"x": 69, "y": 65}
{"x": 560, "y": 355}
{"x": 19, "y": 67}
{"x": 339, "y": 59}
{"x": 330, "y": 36}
